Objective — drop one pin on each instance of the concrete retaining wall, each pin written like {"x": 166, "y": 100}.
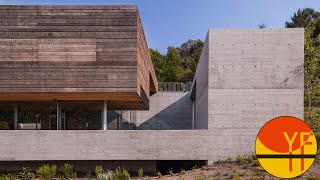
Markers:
{"x": 17, "y": 145}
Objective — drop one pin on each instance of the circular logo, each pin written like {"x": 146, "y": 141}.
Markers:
{"x": 286, "y": 147}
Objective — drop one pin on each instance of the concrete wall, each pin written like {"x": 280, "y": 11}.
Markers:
{"x": 81, "y": 145}
{"x": 254, "y": 75}
{"x": 19, "y": 145}
{"x": 200, "y": 86}
{"x": 168, "y": 111}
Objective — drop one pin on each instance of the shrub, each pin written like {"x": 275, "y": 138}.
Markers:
{"x": 240, "y": 159}
{"x": 159, "y": 174}
{"x": 67, "y": 171}
{"x": 183, "y": 171}
{"x": 26, "y": 173}
{"x": 12, "y": 176}
{"x": 254, "y": 157}
{"x": 99, "y": 170}
{"x": 109, "y": 175}
{"x": 170, "y": 172}
{"x": 229, "y": 159}
{"x": 103, "y": 176}
{"x": 114, "y": 175}
{"x": 140, "y": 172}
{"x": 88, "y": 175}
{"x": 46, "y": 172}
{"x": 121, "y": 175}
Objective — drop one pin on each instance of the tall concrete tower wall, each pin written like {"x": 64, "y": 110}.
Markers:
{"x": 254, "y": 75}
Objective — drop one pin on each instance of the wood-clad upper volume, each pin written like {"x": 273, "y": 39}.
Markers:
{"x": 75, "y": 53}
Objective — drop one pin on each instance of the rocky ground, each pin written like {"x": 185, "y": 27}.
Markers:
{"x": 234, "y": 170}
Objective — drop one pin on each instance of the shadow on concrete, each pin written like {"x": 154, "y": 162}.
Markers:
{"x": 177, "y": 116}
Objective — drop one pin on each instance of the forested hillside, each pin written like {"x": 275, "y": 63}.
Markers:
{"x": 179, "y": 63}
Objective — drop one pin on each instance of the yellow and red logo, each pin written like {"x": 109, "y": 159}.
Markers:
{"x": 286, "y": 147}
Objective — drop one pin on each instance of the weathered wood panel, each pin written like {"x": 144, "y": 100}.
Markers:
{"x": 51, "y": 50}
{"x": 146, "y": 79}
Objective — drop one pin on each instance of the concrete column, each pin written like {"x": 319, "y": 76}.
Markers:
{"x": 120, "y": 120}
{"x": 104, "y": 116}
{"x": 193, "y": 113}
{"x": 58, "y": 114}
{"x": 15, "y": 120}
{"x": 130, "y": 125}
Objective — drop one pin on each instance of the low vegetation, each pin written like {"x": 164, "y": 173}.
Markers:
{"x": 46, "y": 172}
{"x": 159, "y": 174}
{"x": 241, "y": 168}
{"x": 183, "y": 171}
{"x": 140, "y": 172}
{"x": 170, "y": 172}
{"x": 112, "y": 175}
{"x": 26, "y": 173}
{"x": 67, "y": 172}
{"x": 240, "y": 159}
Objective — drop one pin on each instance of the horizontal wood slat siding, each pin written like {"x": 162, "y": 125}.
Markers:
{"x": 74, "y": 53}
{"x": 69, "y": 52}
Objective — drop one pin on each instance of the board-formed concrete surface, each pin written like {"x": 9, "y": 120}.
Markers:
{"x": 200, "y": 89}
{"x": 19, "y": 145}
{"x": 22, "y": 145}
{"x": 254, "y": 75}
{"x": 168, "y": 111}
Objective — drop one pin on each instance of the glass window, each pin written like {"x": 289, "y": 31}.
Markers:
{"x": 6, "y": 116}
{"x": 76, "y": 115}
{"x": 37, "y": 115}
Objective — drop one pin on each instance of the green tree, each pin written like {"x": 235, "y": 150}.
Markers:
{"x": 310, "y": 20}
{"x": 312, "y": 71}
{"x": 302, "y": 18}
{"x": 158, "y": 63}
{"x": 178, "y": 64}
{"x": 172, "y": 67}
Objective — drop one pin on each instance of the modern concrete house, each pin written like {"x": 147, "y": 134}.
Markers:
{"x": 77, "y": 84}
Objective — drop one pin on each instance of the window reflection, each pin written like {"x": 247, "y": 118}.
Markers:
{"x": 37, "y": 115}
{"x": 76, "y": 115}
{"x": 62, "y": 115}
{"x": 6, "y": 116}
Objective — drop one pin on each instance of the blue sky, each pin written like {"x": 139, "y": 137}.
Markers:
{"x": 172, "y": 22}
